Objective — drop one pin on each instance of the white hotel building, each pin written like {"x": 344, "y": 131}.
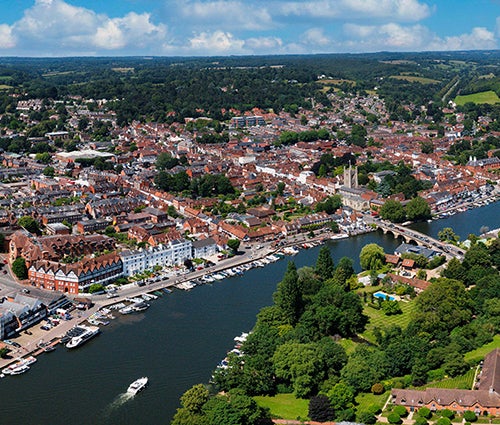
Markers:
{"x": 137, "y": 261}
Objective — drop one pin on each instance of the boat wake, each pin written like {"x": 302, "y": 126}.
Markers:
{"x": 119, "y": 401}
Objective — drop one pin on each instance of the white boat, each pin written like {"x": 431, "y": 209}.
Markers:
{"x": 126, "y": 310}
{"x": 88, "y": 332}
{"x": 19, "y": 367}
{"x": 137, "y": 385}
{"x": 140, "y": 306}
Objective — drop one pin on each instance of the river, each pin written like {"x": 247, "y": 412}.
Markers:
{"x": 176, "y": 343}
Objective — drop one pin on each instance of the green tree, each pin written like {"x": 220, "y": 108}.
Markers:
{"x": 341, "y": 397}
{"x": 443, "y": 306}
{"x": 164, "y": 161}
{"x": 288, "y": 296}
{"x": 393, "y": 211}
{"x": 324, "y": 264}
{"x": 418, "y": 209}
{"x": 427, "y": 147}
{"x": 233, "y": 244}
{"x": 194, "y": 398}
{"x": 448, "y": 235}
{"x": 29, "y": 223}
{"x": 19, "y": 268}
{"x": 320, "y": 409}
{"x": 372, "y": 257}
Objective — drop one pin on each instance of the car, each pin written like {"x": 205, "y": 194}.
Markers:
{"x": 45, "y": 327}
{"x": 4, "y": 272}
{"x": 26, "y": 291}
{"x": 16, "y": 344}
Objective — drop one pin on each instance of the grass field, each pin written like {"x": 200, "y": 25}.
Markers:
{"x": 348, "y": 345}
{"x": 463, "y": 382}
{"x": 482, "y": 97}
{"x": 413, "y": 79}
{"x": 284, "y": 406}
{"x": 365, "y": 401}
{"x": 5, "y": 87}
{"x": 476, "y": 355}
{"x": 380, "y": 320}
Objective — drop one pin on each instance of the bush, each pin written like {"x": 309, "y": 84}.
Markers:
{"x": 394, "y": 418}
{"x": 367, "y": 418}
{"x": 447, "y": 413}
{"x": 421, "y": 421}
{"x": 470, "y": 416}
{"x": 424, "y": 412}
{"x": 377, "y": 388}
{"x": 443, "y": 421}
{"x": 400, "y": 411}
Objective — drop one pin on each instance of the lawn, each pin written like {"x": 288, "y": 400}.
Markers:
{"x": 348, "y": 345}
{"x": 365, "y": 401}
{"x": 476, "y": 355}
{"x": 380, "y": 320}
{"x": 284, "y": 406}
{"x": 483, "y": 97}
{"x": 461, "y": 382}
{"x": 413, "y": 79}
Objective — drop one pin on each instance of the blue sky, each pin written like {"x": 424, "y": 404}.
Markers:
{"x": 244, "y": 27}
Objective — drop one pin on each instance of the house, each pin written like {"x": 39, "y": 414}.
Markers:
{"x": 483, "y": 400}
{"x": 204, "y": 248}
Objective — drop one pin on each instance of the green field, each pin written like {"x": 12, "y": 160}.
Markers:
{"x": 476, "y": 355}
{"x": 284, "y": 406}
{"x": 413, "y": 79}
{"x": 380, "y": 320}
{"x": 365, "y": 401}
{"x": 462, "y": 382}
{"x": 482, "y": 97}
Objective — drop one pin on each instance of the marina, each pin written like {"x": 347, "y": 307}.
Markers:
{"x": 184, "y": 324}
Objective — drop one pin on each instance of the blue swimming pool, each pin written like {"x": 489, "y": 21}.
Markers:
{"x": 384, "y": 296}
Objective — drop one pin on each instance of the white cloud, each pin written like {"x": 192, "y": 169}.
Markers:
{"x": 396, "y": 10}
{"x": 7, "y": 40}
{"x": 218, "y": 42}
{"x": 50, "y": 27}
{"x": 229, "y": 14}
{"x": 480, "y": 38}
{"x": 413, "y": 38}
{"x": 315, "y": 37}
{"x": 263, "y": 44}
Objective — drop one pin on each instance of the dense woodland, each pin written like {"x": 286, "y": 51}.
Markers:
{"x": 294, "y": 346}
{"x": 150, "y": 88}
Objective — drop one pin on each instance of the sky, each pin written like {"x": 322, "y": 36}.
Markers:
{"x": 60, "y": 28}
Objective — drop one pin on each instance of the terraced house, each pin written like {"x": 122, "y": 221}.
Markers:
{"x": 484, "y": 399}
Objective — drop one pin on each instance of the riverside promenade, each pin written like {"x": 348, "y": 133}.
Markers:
{"x": 30, "y": 342}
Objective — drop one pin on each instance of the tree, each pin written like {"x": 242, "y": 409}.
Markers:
{"x": 377, "y": 388}
{"x": 470, "y": 416}
{"x": 29, "y": 223}
{"x": 288, "y": 296}
{"x": 448, "y": 235}
{"x": 371, "y": 257}
{"x": 49, "y": 171}
{"x": 19, "y": 268}
{"x": 194, "y": 398}
{"x": 324, "y": 264}
{"x": 341, "y": 397}
{"x": 320, "y": 409}
{"x": 233, "y": 244}
{"x": 393, "y": 211}
{"x": 427, "y": 147}
{"x": 164, "y": 161}
{"x": 367, "y": 418}
{"x": 443, "y": 306}
{"x": 95, "y": 287}
{"x": 418, "y": 209}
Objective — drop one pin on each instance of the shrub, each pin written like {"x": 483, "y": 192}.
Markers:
{"x": 470, "y": 416}
{"x": 401, "y": 411}
{"x": 421, "y": 421}
{"x": 377, "y": 388}
{"x": 374, "y": 408}
{"x": 367, "y": 418}
{"x": 394, "y": 418}
{"x": 443, "y": 421}
{"x": 424, "y": 412}
{"x": 447, "y": 413}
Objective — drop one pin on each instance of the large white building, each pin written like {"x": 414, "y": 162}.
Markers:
{"x": 137, "y": 261}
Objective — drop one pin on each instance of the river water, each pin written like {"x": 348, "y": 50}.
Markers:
{"x": 176, "y": 343}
